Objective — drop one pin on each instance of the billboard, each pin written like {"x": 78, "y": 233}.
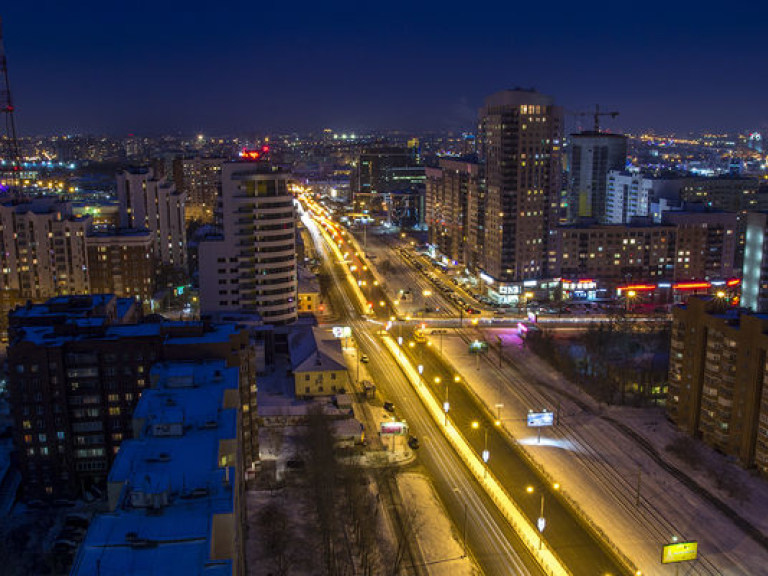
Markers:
{"x": 679, "y": 552}
{"x": 394, "y": 428}
{"x": 541, "y": 418}
{"x": 342, "y": 331}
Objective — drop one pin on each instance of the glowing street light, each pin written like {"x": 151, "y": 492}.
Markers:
{"x": 541, "y": 522}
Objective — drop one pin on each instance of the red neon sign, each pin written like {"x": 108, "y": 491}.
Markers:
{"x": 690, "y": 285}
{"x": 733, "y": 282}
{"x": 638, "y": 287}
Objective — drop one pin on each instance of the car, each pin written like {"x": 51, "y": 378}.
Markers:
{"x": 413, "y": 442}
{"x": 364, "y": 359}
{"x": 389, "y": 407}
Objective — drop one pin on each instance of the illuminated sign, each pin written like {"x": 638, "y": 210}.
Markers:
{"x": 485, "y": 278}
{"x": 538, "y": 419}
{"x": 246, "y": 154}
{"x": 679, "y": 552}
{"x": 393, "y": 428}
{"x": 341, "y": 331}
{"x": 690, "y": 285}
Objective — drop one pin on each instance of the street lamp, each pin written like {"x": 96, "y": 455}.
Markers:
{"x": 485, "y": 454}
{"x": 541, "y": 522}
{"x": 630, "y": 296}
{"x": 446, "y": 405}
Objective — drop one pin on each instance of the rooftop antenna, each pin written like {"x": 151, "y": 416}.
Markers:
{"x": 10, "y": 169}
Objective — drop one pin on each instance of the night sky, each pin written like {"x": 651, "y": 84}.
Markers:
{"x": 224, "y": 67}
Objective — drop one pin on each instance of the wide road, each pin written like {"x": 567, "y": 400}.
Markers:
{"x": 580, "y": 550}
{"x": 489, "y": 538}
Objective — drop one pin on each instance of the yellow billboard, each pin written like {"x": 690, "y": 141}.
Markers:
{"x": 679, "y": 552}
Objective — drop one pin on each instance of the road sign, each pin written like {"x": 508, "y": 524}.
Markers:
{"x": 541, "y": 418}
{"x": 486, "y": 456}
{"x": 541, "y": 523}
{"x": 679, "y": 552}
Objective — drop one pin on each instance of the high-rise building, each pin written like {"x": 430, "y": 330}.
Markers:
{"x": 717, "y": 378}
{"x": 251, "y": 264}
{"x": 754, "y": 290}
{"x": 590, "y": 156}
{"x": 44, "y": 249}
{"x": 520, "y": 135}
{"x": 454, "y": 192}
{"x": 146, "y": 202}
{"x": 389, "y": 181}
{"x": 631, "y": 193}
{"x": 200, "y": 179}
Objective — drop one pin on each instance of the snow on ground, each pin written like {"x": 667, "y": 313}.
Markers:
{"x": 598, "y": 468}
{"x": 441, "y": 546}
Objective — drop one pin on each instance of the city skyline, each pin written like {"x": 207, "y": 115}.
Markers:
{"x": 184, "y": 68}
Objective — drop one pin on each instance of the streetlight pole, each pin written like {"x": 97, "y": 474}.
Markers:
{"x": 541, "y": 521}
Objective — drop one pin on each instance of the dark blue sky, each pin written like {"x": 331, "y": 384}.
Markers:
{"x": 233, "y": 67}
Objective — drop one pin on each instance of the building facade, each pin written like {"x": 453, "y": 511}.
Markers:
{"x": 122, "y": 262}
{"x": 200, "y": 179}
{"x": 251, "y": 264}
{"x": 453, "y": 208}
{"x": 718, "y": 376}
{"x": 520, "y": 135}
{"x": 77, "y": 367}
{"x": 591, "y": 155}
{"x": 146, "y": 202}
{"x": 706, "y": 244}
{"x": 44, "y": 249}
{"x": 615, "y": 254}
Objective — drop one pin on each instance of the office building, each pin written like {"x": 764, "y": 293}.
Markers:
{"x": 591, "y": 155}
{"x": 250, "y": 264}
{"x": 146, "y": 202}
{"x": 520, "y": 135}
{"x": 717, "y": 378}
{"x": 454, "y": 193}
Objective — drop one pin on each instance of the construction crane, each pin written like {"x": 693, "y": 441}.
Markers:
{"x": 11, "y": 169}
{"x": 596, "y": 115}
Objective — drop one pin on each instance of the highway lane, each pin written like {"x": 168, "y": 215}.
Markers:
{"x": 489, "y": 538}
